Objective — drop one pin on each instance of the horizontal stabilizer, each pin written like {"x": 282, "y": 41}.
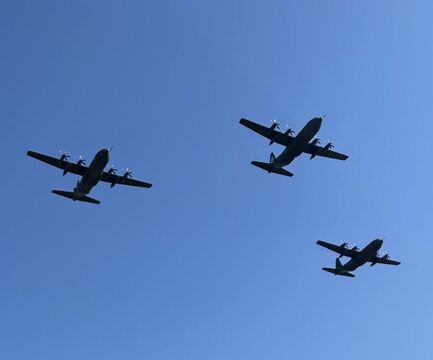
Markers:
{"x": 71, "y": 195}
{"x": 335, "y": 272}
{"x": 271, "y": 169}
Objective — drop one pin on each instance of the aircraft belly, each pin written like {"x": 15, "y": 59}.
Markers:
{"x": 83, "y": 188}
{"x": 351, "y": 265}
{"x": 358, "y": 261}
{"x": 288, "y": 155}
{"x": 90, "y": 179}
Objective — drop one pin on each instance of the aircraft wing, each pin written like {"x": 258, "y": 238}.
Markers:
{"x": 384, "y": 260}
{"x": 322, "y": 151}
{"x": 117, "y": 179}
{"x": 61, "y": 164}
{"x": 337, "y": 248}
{"x": 274, "y": 135}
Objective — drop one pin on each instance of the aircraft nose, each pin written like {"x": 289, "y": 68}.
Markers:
{"x": 105, "y": 153}
{"x": 317, "y": 121}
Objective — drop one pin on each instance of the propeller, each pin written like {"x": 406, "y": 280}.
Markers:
{"x": 385, "y": 257}
{"x": 316, "y": 141}
{"x": 81, "y": 161}
{"x": 112, "y": 170}
{"x": 289, "y": 131}
{"x": 274, "y": 125}
{"x": 127, "y": 174}
{"x": 377, "y": 255}
{"x": 343, "y": 246}
{"x": 355, "y": 248}
{"x": 329, "y": 145}
{"x": 316, "y": 150}
{"x": 64, "y": 155}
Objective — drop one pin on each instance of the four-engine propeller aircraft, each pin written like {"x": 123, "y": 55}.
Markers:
{"x": 90, "y": 175}
{"x": 358, "y": 257}
{"x": 295, "y": 145}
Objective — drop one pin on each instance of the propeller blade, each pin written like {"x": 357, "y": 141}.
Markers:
{"x": 274, "y": 125}
{"x": 289, "y": 131}
{"x": 64, "y": 155}
{"x": 81, "y": 161}
{"x": 112, "y": 170}
{"x": 127, "y": 173}
{"x": 316, "y": 141}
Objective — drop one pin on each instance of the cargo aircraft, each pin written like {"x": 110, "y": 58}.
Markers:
{"x": 90, "y": 175}
{"x": 358, "y": 257}
{"x": 304, "y": 142}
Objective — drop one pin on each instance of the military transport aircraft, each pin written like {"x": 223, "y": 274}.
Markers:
{"x": 358, "y": 257}
{"x": 90, "y": 175}
{"x": 305, "y": 142}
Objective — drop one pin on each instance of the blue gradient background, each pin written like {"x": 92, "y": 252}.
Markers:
{"x": 218, "y": 260}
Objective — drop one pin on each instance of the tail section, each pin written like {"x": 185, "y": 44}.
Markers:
{"x": 331, "y": 270}
{"x": 272, "y": 158}
{"x": 270, "y": 169}
{"x": 338, "y": 264}
{"x": 71, "y": 195}
{"x": 338, "y": 269}
{"x": 336, "y": 272}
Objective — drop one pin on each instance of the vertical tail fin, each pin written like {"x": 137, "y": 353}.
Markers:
{"x": 338, "y": 264}
{"x": 272, "y": 158}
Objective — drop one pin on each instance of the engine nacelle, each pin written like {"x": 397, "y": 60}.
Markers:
{"x": 64, "y": 157}
{"x": 328, "y": 146}
{"x": 343, "y": 248}
{"x": 316, "y": 148}
{"x": 274, "y": 126}
{"x": 289, "y": 132}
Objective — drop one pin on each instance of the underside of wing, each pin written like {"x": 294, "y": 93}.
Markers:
{"x": 123, "y": 180}
{"x": 342, "y": 250}
{"x": 316, "y": 150}
{"x": 385, "y": 261}
{"x": 272, "y": 134}
{"x": 58, "y": 163}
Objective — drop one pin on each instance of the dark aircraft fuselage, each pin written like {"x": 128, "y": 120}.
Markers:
{"x": 299, "y": 143}
{"x": 93, "y": 174}
{"x": 363, "y": 256}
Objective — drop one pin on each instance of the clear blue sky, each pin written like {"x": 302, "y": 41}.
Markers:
{"x": 218, "y": 260}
